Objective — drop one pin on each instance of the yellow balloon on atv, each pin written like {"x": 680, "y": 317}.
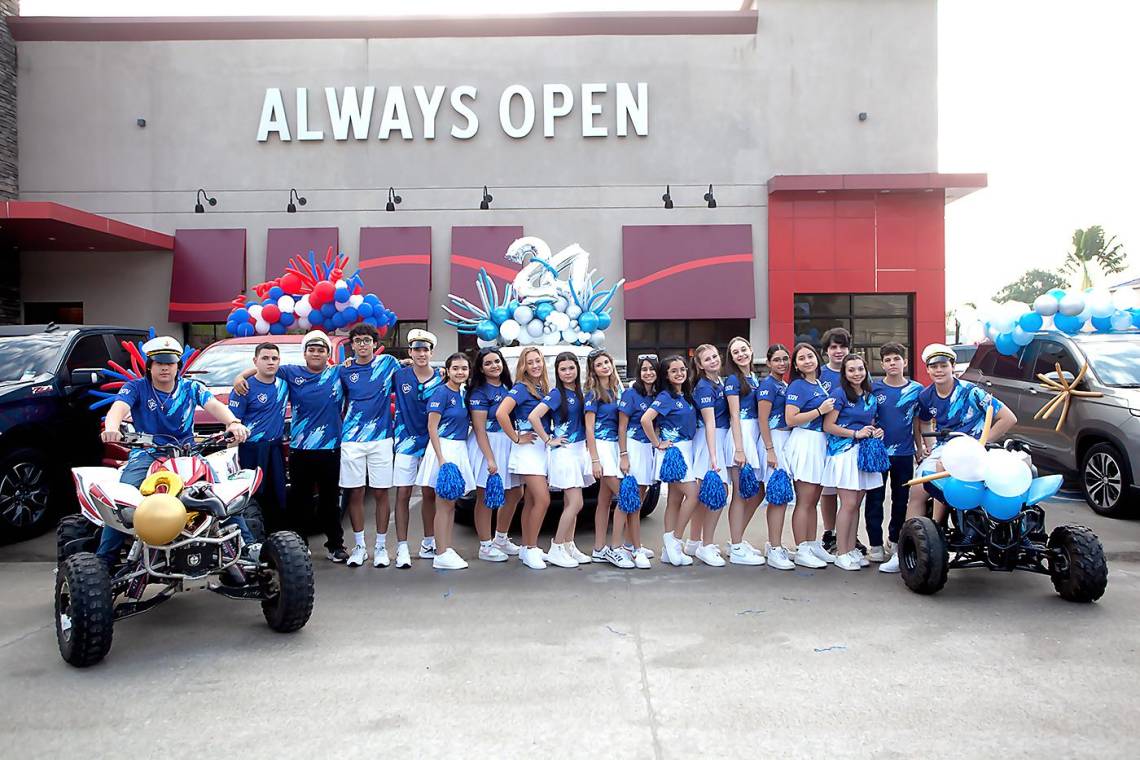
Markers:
{"x": 159, "y": 519}
{"x": 163, "y": 481}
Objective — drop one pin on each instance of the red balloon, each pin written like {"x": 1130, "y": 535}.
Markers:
{"x": 323, "y": 292}
{"x": 290, "y": 283}
{"x": 382, "y": 330}
{"x": 270, "y": 313}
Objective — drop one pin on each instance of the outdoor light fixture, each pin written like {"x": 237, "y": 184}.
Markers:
{"x": 393, "y": 200}
{"x": 487, "y": 198}
{"x": 709, "y": 197}
{"x": 667, "y": 198}
{"x": 198, "y": 207}
{"x": 291, "y": 208}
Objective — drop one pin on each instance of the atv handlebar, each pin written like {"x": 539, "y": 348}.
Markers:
{"x": 199, "y": 445}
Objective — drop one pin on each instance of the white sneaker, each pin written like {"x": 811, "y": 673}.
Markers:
{"x": 691, "y": 547}
{"x": 427, "y": 551}
{"x": 532, "y": 558}
{"x": 672, "y": 550}
{"x": 641, "y": 560}
{"x": 579, "y": 557}
{"x": 821, "y": 553}
{"x": 599, "y": 555}
{"x": 891, "y": 565}
{"x": 403, "y": 556}
{"x": 805, "y": 556}
{"x": 877, "y": 554}
{"x": 380, "y": 558}
{"x": 740, "y": 555}
{"x": 889, "y": 548}
{"x": 619, "y": 558}
{"x": 710, "y": 555}
{"x": 751, "y": 548}
{"x": 847, "y": 561}
{"x": 506, "y": 546}
{"x": 778, "y": 558}
{"x": 449, "y": 560}
{"x": 358, "y": 557}
{"x": 559, "y": 557}
{"x": 644, "y": 549}
{"x": 863, "y": 561}
{"x": 492, "y": 553}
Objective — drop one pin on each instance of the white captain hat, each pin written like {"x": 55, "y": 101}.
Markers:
{"x": 163, "y": 350}
{"x": 421, "y": 339}
{"x": 938, "y": 352}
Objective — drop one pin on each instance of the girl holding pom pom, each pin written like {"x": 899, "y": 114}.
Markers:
{"x": 675, "y": 416}
{"x": 851, "y": 419}
{"x": 603, "y": 393}
{"x": 740, "y": 391}
{"x": 774, "y": 432}
{"x": 713, "y": 421}
{"x": 636, "y": 457}
{"x": 448, "y": 426}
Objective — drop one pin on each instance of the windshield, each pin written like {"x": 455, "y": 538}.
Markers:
{"x": 26, "y": 357}
{"x": 218, "y": 365}
{"x": 1116, "y": 363}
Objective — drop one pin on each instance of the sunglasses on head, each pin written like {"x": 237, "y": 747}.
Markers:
{"x": 651, "y": 357}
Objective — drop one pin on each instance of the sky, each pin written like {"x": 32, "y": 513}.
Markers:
{"x": 1041, "y": 95}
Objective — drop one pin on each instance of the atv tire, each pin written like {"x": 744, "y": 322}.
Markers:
{"x": 287, "y": 581}
{"x": 1086, "y": 577}
{"x": 924, "y": 560}
{"x": 254, "y": 520}
{"x": 84, "y": 611}
{"x": 74, "y": 534}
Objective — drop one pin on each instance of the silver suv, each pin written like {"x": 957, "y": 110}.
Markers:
{"x": 1100, "y": 440}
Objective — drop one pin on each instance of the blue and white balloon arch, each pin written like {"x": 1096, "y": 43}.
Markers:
{"x": 1068, "y": 311}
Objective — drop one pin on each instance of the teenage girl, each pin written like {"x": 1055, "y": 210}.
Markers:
{"x": 603, "y": 393}
{"x": 636, "y": 456}
{"x": 774, "y": 432}
{"x": 740, "y": 391}
{"x": 713, "y": 417}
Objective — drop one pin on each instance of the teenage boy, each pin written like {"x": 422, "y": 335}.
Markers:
{"x": 366, "y": 437}
{"x": 897, "y": 398}
{"x": 316, "y": 397}
{"x": 262, "y": 411}
{"x": 836, "y": 346}
{"x": 414, "y": 386}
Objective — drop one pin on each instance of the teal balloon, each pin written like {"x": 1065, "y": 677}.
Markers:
{"x": 1121, "y": 320}
{"x": 543, "y": 310}
{"x": 1030, "y": 321}
{"x": 1102, "y": 324}
{"x": 487, "y": 330}
{"x": 604, "y": 320}
{"x": 962, "y": 494}
{"x": 1005, "y": 345}
{"x": 1002, "y": 507}
{"x": 1068, "y": 324}
{"x": 588, "y": 321}
{"x": 1057, "y": 293}
{"x": 499, "y": 315}
{"x": 1045, "y": 487}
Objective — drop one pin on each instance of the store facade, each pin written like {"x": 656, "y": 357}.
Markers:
{"x": 815, "y": 123}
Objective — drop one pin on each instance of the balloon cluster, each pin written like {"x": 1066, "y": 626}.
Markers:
{"x": 309, "y": 295}
{"x": 996, "y": 480}
{"x": 1069, "y": 310}
{"x": 120, "y": 375}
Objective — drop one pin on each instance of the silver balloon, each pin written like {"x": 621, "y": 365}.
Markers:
{"x": 523, "y": 314}
{"x": 598, "y": 339}
{"x": 486, "y": 343}
{"x": 1072, "y": 304}
{"x": 1045, "y": 305}
{"x": 573, "y": 311}
{"x": 534, "y": 327}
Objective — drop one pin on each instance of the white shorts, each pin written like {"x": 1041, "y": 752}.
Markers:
{"x": 609, "y": 455}
{"x": 842, "y": 471}
{"x": 455, "y": 452}
{"x": 528, "y": 458}
{"x": 686, "y": 449}
{"x": 806, "y": 451}
{"x": 701, "y": 453}
{"x": 642, "y": 461}
{"x": 404, "y": 470}
{"x": 501, "y": 449}
{"x": 749, "y": 432}
{"x": 366, "y": 463}
{"x": 569, "y": 466}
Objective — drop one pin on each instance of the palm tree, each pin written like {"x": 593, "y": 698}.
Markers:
{"x": 1089, "y": 247}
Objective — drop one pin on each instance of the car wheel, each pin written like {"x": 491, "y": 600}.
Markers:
{"x": 1105, "y": 480}
{"x": 25, "y": 494}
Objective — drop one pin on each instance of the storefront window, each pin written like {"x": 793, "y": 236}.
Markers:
{"x": 201, "y": 334}
{"x": 665, "y": 337}
{"x": 396, "y": 341}
{"x": 872, "y": 319}
{"x": 60, "y": 312}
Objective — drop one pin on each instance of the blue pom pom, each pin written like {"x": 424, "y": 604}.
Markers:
{"x": 629, "y": 497}
{"x": 780, "y": 490}
{"x": 449, "y": 484}
{"x": 749, "y": 483}
{"x": 673, "y": 467}
{"x": 493, "y": 495}
{"x": 873, "y": 456}
{"x": 713, "y": 494}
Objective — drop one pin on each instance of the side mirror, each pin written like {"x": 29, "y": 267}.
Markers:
{"x": 1069, "y": 376}
{"x": 85, "y": 376}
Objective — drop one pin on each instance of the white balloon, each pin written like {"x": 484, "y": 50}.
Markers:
{"x": 286, "y": 304}
{"x": 261, "y": 327}
{"x": 1121, "y": 320}
{"x": 534, "y": 327}
{"x": 573, "y": 311}
{"x": 510, "y": 330}
{"x": 485, "y": 343}
{"x": 1086, "y": 313}
{"x": 355, "y": 300}
{"x": 964, "y": 458}
{"x": 341, "y": 305}
{"x": 598, "y": 339}
{"x": 1021, "y": 337}
{"x": 524, "y": 314}
{"x": 303, "y": 308}
{"x": 560, "y": 304}
{"x": 551, "y": 338}
{"x": 341, "y": 284}
{"x": 1045, "y": 305}
{"x": 583, "y": 337}
{"x": 1072, "y": 303}
{"x": 255, "y": 311}
{"x": 1125, "y": 299}
{"x": 559, "y": 320}
{"x": 1006, "y": 473}
{"x": 303, "y": 324}
{"x": 1101, "y": 303}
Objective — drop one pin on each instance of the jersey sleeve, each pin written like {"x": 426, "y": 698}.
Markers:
{"x": 200, "y": 393}
{"x": 982, "y": 400}
{"x": 238, "y": 404}
{"x": 661, "y": 403}
{"x": 553, "y": 399}
{"x": 476, "y": 400}
{"x": 705, "y": 397}
{"x": 591, "y": 403}
{"x": 129, "y": 393}
{"x": 924, "y": 412}
{"x": 793, "y": 396}
{"x": 438, "y": 401}
{"x": 766, "y": 391}
{"x": 732, "y": 385}
{"x": 625, "y": 403}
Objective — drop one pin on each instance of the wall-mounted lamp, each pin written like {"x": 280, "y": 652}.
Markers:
{"x": 487, "y": 198}
{"x": 198, "y": 207}
{"x": 709, "y": 198}
{"x": 667, "y": 198}
{"x": 292, "y": 208}
{"x": 393, "y": 200}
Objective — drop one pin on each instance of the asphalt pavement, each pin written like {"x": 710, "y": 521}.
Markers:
{"x": 498, "y": 660}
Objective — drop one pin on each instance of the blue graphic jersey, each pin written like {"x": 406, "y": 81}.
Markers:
{"x": 167, "y": 416}
{"x": 747, "y": 394}
{"x": 710, "y": 395}
{"x": 605, "y": 419}
{"x": 963, "y": 411}
{"x": 807, "y": 397}
{"x": 368, "y": 388}
{"x": 829, "y": 378}
{"x": 454, "y": 424}
{"x": 525, "y": 402}
{"x": 897, "y": 407}
{"x": 411, "y": 409}
{"x": 316, "y": 399}
{"x": 262, "y": 409}
{"x": 676, "y": 417}
{"x": 572, "y": 425}
{"x": 775, "y": 391}
{"x": 852, "y": 416}
{"x": 486, "y": 398}
{"x": 633, "y": 405}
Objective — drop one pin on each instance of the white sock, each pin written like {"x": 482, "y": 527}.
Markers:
{"x": 501, "y": 536}
{"x": 736, "y": 547}
{"x": 429, "y": 541}
{"x": 381, "y": 540}
{"x": 401, "y": 545}
{"x": 485, "y": 544}
{"x": 359, "y": 536}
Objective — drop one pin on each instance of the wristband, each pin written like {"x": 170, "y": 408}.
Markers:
{"x": 769, "y": 448}
{"x": 595, "y": 461}
{"x": 625, "y": 453}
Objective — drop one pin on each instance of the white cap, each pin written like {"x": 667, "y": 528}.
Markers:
{"x": 938, "y": 352}
{"x": 163, "y": 349}
{"x": 316, "y": 336}
{"x": 419, "y": 336}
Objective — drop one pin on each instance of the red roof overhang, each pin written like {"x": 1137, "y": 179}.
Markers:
{"x": 953, "y": 185}
{"x": 47, "y": 226}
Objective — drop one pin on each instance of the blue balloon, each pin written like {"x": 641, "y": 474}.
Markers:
{"x": 500, "y": 314}
{"x": 232, "y": 327}
{"x": 364, "y": 310}
{"x": 1057, "y": 293}
{"x": 1002, "y": 507}
{"x": 1030, "y": 321}
{"x": 1067, "y": 324}
{"x": 487, "y": 330}
{"x": 328, "y": 310}
{"x": 1043, "y": 488}
{"x": 276, "y": 292}
{"x": 316, "y": 317}
{"x": 277, "y": 329}
{"x": 1102, "y": 324}
{"x": 342, "y": 295}
{"x": 543, "y": 310}
{"x": 1021, "y": 337}
{"x": 371, "y": 321}
{"x": 350, "y": 314}
{"x": 245, "y": 330}
{"x": 240, "y": 315}
{"x": 962, "y": 494}
{"x": 588, "y": 321}
{"x": 286, "y": 319}
{"x": 1006, "y": 345}
{"x": 372, "y": 298}
{"x": 269, "y": 301}
{"x": 512, "y": 305}
{"x": 604, "y": 320}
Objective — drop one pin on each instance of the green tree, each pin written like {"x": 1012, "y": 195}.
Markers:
{"x": 1089, "y": 247}
{"x": 1030, "y": 285}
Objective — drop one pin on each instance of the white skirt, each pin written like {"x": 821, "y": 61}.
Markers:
{"x": 528, "y": 458}
{"x": 701, "y": 453}
{"x": 749, "y": 432}
{"x": 642, "y": 461}
{"x": 609, "y": 454}
{"x": 501, "y": 448}
{"x": 454, "y": 452}
{"x": 569, "y": 466}
{"x": 842, "y": 471}
{"x": 686, "y": 449}
{"x": 806, "y": 451}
